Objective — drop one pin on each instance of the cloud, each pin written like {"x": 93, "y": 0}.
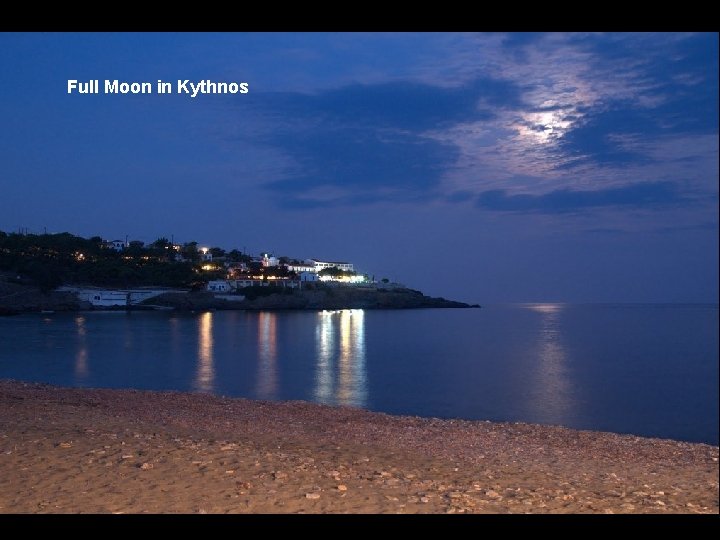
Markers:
{"x": 665, "y": 85}
{"x": 398, "y": 105}
{"x": 648, "y": 194}
{"x": 517, "y": 44}
{"x": 573, "y": 112}
{"x": 360, "y": 144}
{"x": 353, "y": 166}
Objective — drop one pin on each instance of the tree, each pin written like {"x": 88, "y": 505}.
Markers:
{"x": 135, "y": 248}
{"x": 277, "y": 271}
{"x": 190, "y": 251}
{"x": 161, "y": 249}
{"x": 161, "y": 244}
{"x": 238, "y": 256}
{"x": 217, "y": 252}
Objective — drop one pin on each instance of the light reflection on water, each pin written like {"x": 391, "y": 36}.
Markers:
{"x": 205, "y": 380}
{"x": 341, "y": 375}
{"x": 324, "y": 374}
{"x": 551, "y": 397}
{"x": 81, "y": 355}
{"x": 267, "y": 355}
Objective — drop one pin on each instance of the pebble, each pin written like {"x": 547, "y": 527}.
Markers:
{"x": 146, "y": 466}
{"x": 602, "y": 488}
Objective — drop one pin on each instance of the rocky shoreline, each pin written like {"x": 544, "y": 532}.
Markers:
{"x": 315, "y": 299}
{"x": 15, "y": 299}
{"x": 65, "y": 450}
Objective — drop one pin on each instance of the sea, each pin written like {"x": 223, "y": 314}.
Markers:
{"x": 643, "y": 369}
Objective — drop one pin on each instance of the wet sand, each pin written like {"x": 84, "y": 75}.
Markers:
{"x": 68, "y": 450}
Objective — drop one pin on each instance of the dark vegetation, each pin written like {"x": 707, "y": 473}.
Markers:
{"x": 49, "y": 260}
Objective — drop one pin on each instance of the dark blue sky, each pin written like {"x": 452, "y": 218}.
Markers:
{"x": 481, "y": 167}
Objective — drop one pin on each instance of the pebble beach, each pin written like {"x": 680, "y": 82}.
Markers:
{"x": 70, "y": 450}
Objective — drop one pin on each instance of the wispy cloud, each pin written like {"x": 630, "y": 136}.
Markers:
{"x": 360, "y": 144}
{"x": 534, "y": 120}
{"x": 646, "y": 194}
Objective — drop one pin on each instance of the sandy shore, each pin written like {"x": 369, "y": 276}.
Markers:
{"x": 122, "y": 451}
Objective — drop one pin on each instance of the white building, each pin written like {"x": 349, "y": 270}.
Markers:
{"x": 117, "y": 245}
{"x": 219, "y": 285}
{"x": 343, "y": 279}
{"x": 254, "y": 282}
{"x": 205, "y": 254}
{"x": 322, "y": 265}
{"x": 300, "y": 268}
{"x": 241, "y": 283}
{"x": 269, "y": 260}
{"x": 308, "y": 276}
{"x": 113, "y": 297}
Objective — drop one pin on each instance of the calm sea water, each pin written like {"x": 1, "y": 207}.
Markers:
{"x": 643, "y": 369}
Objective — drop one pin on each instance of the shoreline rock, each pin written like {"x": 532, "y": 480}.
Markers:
{"x": 316, "y": 299}
{"x": 16, "y": 299}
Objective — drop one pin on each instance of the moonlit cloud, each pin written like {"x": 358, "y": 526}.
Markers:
{"x": 362, "y": 144}
{"x": 528, "y": 114}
